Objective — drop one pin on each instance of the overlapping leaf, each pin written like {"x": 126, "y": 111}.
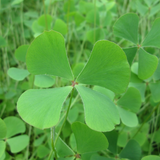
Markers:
{"x": 100, "y": 112}
{"x": 41, "y": 107}
{"x": 127, "y": 27}
{"x": 106, "y": 67}
{"x": 87, "y": 139}
{"x": 47, "y": 55}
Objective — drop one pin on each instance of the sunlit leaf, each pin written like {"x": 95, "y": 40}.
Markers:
{"x": 41, "y": 107}
{"x": 2, "y": 147}
{"x": 101, "y": 113}
{"x": 21, "y": 52}
{"x": 17, "y": 74}
{"x": 128, "y": 118}
{"x": 43, "y": 81}
{"x": 47, "y": 55}
{"x": 18, "y": 143}
{"x": 14, "y": 126}
{"x": 106, "y": 67}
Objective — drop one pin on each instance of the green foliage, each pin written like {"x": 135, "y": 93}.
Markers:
{"x": 74, "y": 69}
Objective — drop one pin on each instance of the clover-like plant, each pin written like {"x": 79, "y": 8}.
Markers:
{"x": 127, "y": 27}
{"x": 107, "y": 67}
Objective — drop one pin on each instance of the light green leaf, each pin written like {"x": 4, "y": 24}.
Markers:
{"x": 130, "y": 53}
{"x": 131, "y": 151}
{"x": 43, "y": 81}
{"x": 153, "y": 37}
{"x": 151, "y": 157}
{"x": 17, "y": 74}
{"x": 131, "y": 100}
{"x": 147, "y": 64}
{"x": 127, "y": 27}
{"x": 3, "y": 129}
{"x": 87, "y": 139}
{"x": 18, "y": 143}
{"x": 128, "y": 118}
{"x": 47, "y": 55}
{"x": 155, "y": 91}
{"x": 94, "y": 35}
{"x": 42, "y": 151}
{"x": 156, "y": 75}
{"x": 101, "y": 113}
{"x": 107, "y": 67}
{"x": 60, "y": 26}
{"x": 42, "y": 21}
{"x": 41, "y": 107}
{"x": 141, "y": 87}
{"x": 21, "y": 52}
{"x": 104, "y": 91}
{"x": 14, "y": 126}
{"x": 2, "y": 147}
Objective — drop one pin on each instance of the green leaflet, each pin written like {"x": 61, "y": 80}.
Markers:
{"x": 101, "y": 113}
{"x": 18, "y": 143}
{"x": 21, "y": 52}
{"x": 46, "y": 55}
{"x": 147, "y": 64}
{"x": 153, "y": 37}
{"x": 128, "y": 118}
{"x": 130, "y": 53}
{"x": 127, "y": 27}
{"x": 2, "y": 147}
{"x": 17, "y": 74}
{"x": 88, "y": 140}
{"x": 43, "y": 81}
{"x": 14, "y": 126}
{"x": 131, "y": 151}
{"x": 131, "y": 100}
{"x": 106, "y": 67}
{"x": 37, "y": 106}
{"x": 60, "y": 26}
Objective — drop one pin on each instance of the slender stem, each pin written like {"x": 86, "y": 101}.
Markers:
{"x": 52, "y": 139}
{"x": 29, "y": 134}
{"x": 65, "y": 116}
{"x": 45, "y": 16}
{"x": 95, "y": 20}
{"x": 145, "y": 121}
{"x": 154, "y": 129}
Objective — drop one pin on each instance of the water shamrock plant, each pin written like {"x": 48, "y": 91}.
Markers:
{"x": 106, "y": 67}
